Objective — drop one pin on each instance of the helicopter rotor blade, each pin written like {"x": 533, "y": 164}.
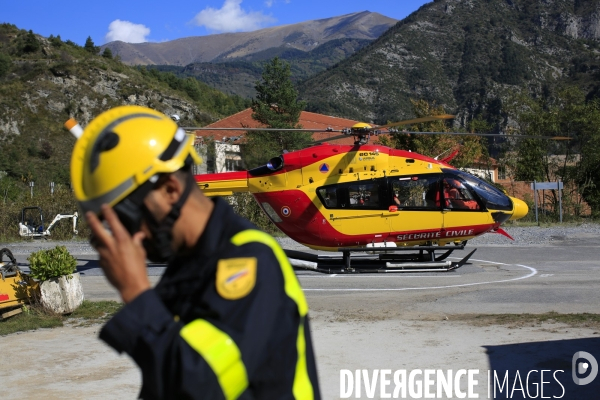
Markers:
{"x": 399, "y": 123}
{"x": 417, "y": 120}
{"x": 348, "y": 132}
{"x": 485, "y": 134}
{"x": 329, "y": 139}
{"x": 193, "y": 128}
{"x": 494, "y": 135}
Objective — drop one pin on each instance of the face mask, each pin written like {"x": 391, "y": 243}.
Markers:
{"x": 129, "y": 210}
{"x": 158, "y": 247}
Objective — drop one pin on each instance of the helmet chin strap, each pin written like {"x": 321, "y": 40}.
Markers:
{"x": 158, "y": 248}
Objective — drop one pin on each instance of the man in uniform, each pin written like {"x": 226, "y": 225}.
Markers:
{"x": 228, "y": 319}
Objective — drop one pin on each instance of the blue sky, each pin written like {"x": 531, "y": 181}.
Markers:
{"x": 146, "y": 21}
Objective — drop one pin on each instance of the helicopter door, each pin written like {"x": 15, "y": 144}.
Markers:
{"x": 355, "y": 208}
{"x": 462, "y": 210}
{"x": 419, "y": 217}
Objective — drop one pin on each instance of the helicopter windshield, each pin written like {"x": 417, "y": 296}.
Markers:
{"x": 492, "y": 197}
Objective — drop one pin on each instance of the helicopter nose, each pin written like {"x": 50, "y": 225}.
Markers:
{"x": 520, "y": 208}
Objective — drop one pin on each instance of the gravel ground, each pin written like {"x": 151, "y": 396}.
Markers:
{"x": 534, "y": 235}
{"x": 523, "y": 236}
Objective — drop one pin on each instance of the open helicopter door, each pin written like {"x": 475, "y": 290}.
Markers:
{"x": 419, "y": 219}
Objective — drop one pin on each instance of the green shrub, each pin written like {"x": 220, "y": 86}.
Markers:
{"x": 244, "y": 205}
{"x": 5, "y": 64}
{"x": 52, "y": 263}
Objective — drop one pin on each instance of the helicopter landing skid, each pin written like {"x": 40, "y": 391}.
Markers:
{"x": 381, "y": 260}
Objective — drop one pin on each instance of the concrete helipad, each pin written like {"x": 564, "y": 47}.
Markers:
{"x": 373, "y": 321}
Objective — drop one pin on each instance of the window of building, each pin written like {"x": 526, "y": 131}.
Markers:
{"x": 502, "y": 172}
{"x": 233, "y": 162}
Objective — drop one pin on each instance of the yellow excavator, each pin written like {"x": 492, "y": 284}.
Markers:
{"x": 16, "y": 287}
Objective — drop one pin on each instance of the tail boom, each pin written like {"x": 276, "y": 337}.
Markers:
{"x": 223, "y": 184}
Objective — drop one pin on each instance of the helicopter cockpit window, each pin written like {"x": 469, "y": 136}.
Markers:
{"x": 492, "y": 197}
{"x": 457, "y": 196}
{"x": 416, "y": 192}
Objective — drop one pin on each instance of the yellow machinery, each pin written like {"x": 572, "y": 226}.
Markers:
{"x": 16, "y": 288}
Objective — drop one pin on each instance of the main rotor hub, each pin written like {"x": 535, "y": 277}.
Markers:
{"x": 362, "y": 131}
{"x": 361, "y": 127}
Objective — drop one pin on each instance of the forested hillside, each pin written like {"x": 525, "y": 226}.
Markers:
{"x": 469, "y": 56}
{"x": 239, "y": 76}
{"x": 44, "y": 81}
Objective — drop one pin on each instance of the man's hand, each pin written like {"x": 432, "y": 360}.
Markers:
{"x": 122, "y": 257}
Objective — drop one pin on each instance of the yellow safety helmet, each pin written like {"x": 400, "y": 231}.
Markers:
{"x": 122, "y": 149}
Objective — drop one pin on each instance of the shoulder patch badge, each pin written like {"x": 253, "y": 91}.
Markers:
{"x": 236, "y": 277}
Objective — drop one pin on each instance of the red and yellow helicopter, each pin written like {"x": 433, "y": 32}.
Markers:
{"x": 353, "y": 198}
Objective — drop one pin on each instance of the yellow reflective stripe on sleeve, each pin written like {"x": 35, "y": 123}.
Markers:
{"x": 302, "y": 388}
{"x": 292, "y": 287}
{"x": 221, "y": 354}
{"x": 302, "y": 385}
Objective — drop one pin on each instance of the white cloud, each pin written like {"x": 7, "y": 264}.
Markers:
{"x": 231, "y": 18}
{"x": 127, "y": 32}
{"x": 269, "y": 3}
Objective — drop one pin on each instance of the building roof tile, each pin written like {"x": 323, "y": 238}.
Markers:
{"x": 308, "y": 120}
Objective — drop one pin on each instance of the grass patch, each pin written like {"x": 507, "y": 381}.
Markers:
{"x": 583, "y": 320}
{"x": 34, "y": 317}
{"x": 96, "y": 311}
{"x": 31, "y": 319}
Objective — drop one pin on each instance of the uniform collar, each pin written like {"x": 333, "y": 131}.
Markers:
{"x": 214, "y": 235}
{"x": 209, "y": 244}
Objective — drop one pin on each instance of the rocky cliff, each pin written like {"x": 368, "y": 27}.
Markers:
{"x": 468, "y": 55}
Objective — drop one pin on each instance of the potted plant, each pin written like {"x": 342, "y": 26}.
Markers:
{"x": 60, "y": 287}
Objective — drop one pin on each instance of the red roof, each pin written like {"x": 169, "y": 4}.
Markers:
{"x": 308, "y": 120}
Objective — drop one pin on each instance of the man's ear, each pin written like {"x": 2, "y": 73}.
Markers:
{"x": 172, "y": 188}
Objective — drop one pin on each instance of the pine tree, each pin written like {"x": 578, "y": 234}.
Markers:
{"x": 90, "y": 46}
{"x": 107, "y": 53}
{"x": 5, "y": 64}
{"x": 275, "y": 106}
{"x": 31, "y": 44}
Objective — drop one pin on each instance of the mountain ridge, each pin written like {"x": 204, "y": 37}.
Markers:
{"x": 302, "y": 36}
